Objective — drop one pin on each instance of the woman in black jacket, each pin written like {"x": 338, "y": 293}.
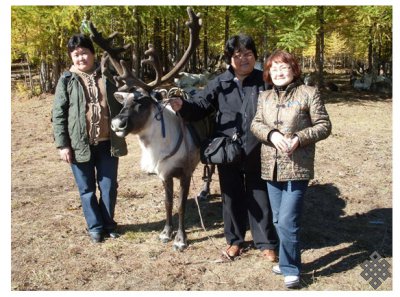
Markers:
{"x": 234, "y": 94}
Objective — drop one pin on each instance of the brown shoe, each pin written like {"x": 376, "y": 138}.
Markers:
{"x": 233, "y": 251}
{"x": 270, "y": 255}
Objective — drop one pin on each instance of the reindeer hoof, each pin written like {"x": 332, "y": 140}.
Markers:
{"x": 164, "y": 237}
{"x": 179, "y": 246}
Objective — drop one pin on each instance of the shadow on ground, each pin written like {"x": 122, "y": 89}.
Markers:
{"x": 211, "y": 212}
{"x": 324, "y": 225}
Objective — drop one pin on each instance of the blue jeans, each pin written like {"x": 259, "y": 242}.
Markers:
{"x": 101, "y": 168}
{"x": 286, "y": 200}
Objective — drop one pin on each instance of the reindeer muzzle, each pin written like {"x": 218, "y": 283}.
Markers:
{"x": 119, "y": 126}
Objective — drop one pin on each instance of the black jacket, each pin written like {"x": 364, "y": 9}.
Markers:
{"x": 222, "y": 94}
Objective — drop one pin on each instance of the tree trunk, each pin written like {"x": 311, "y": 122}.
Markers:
{"x": 205, "y": 40}
{"x": 171, "y": 44}
{"x": 43, "y": 78}
{"x": 370, "y": 49}
{"x": 319, "y": 48}
{"x": 157, "y": 41}
{"x": 226, "y": 24}
{"x": 137, "y": 49}
{"x": 166, "y": 49}
{"x": 55, "y": 74}
{"x": 182, "y": 48}
{"x": 29, "y": 74}
{"x": 265, "y": 41}
{"x": 176, "y": 40}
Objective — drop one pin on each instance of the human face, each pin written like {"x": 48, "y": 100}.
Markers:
{"x": 281, "y": 74}
{"x": 83, "y": 59}
{"x": 243, "y": 63}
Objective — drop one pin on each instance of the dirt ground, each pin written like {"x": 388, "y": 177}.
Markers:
{"x": 347, "y": 215}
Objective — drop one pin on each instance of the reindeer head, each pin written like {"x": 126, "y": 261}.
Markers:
{"x": 134, "y": 114}
{"x": 136, "y": 96}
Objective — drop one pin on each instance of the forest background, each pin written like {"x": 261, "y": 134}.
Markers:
{"x": 324, "y": 38}
{"x": 50, "y": 253}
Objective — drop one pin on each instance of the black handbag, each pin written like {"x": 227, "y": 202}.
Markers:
{"x": 221, "y": 150}
{"x": 224, "y": 149}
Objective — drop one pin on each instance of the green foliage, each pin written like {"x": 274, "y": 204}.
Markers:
{"x": 336, "y": 45}
{"x": 40, "y": 33}
{"x": 296, "y": 32}
{"x": 24, "y": 91}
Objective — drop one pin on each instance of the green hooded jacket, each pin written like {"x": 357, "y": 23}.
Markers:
{"x": 69, "y": 117}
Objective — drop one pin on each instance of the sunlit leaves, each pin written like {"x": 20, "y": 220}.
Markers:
{"x": 41, "y": 32}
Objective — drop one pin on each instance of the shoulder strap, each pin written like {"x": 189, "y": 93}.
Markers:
{"x": 67, "y": 76}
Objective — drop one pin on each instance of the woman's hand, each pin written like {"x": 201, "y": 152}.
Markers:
{"x": 176, "y": 103}
{"x": 284, "y": 144}
{"x": 293, "y": 143}
{"x": 278, "y": 140}
{"x": 66, "y": 154}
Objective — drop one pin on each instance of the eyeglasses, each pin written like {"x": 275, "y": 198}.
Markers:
{"x": 284, "y": 69}
{"x": 240, "y": 55}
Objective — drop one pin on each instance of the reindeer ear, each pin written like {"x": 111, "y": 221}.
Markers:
{"x": 120, "y": 96}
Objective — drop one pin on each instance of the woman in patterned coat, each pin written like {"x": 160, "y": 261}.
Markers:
{"x": 290, "y": 119}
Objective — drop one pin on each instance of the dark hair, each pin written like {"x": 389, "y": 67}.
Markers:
{"x": 238, "y": 43}
{"x": 281, "y": 56}
{"x": 79, "y": 40}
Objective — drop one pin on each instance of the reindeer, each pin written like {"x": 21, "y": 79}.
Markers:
{"x": 168, "y": 149}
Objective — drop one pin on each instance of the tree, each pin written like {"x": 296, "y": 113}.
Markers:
{"x": 315, "y": 34}
{"x": 319, "y": 45}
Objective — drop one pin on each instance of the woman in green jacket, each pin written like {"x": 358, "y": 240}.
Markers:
{"x": 83, "y": 108}
{"x": 290, "y": 119}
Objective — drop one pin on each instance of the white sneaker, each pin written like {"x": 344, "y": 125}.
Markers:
{"x": 292, "y": 281}
{"x": 276, "y": 269}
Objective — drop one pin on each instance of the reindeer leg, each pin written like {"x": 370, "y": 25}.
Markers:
{"x": 166, "y": 234}
{"x": 180, "y": 242}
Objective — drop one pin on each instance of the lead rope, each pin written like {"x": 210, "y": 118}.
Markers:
{"x": 223, "y": 252}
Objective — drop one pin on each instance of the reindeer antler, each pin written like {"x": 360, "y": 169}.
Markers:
{"x": 105, "y": 44}
{"x": 154, "y": 60}
{"x": 126, "y": 79}
{"x": 194, "y": 25}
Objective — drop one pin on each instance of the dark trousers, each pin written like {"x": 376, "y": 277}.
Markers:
{"x": 245, "y": 200}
